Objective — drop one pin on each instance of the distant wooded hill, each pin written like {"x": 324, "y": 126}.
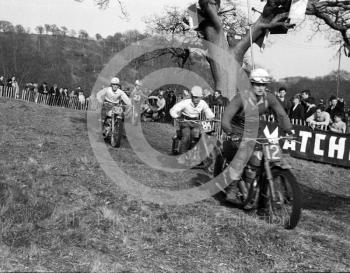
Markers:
{"x": 72, "y": 59}
{"x": 320, "y": 87}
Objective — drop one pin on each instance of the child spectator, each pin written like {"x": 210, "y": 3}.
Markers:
{"x": 338, "y": 125}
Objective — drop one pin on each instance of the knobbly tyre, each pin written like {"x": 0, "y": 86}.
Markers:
{"x": 267, "y": 183}
{"x": 194, "y": 153}
{"x": 113, "y": 127}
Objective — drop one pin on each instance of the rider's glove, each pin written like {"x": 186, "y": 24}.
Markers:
{"x": 234, "y": 137}
{"x": 290, "y": 136}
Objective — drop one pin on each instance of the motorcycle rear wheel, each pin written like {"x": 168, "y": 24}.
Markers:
{"x": 286, "y": 209}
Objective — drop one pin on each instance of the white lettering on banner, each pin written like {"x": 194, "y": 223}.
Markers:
{"x": 317, "y": 148}
{"x": 304, "y": 139}
{"x": 289, "y": 144}
{"x": 273, "y": 138}
{"x": 340, "y": 147}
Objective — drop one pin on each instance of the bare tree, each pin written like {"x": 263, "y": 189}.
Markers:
{"x": 39, "y": 30}
{"x": 64, "y": 30}
{"x": 47, "y": 28}
{"x": 104, "y": 4}
{"x": 83, "y": 34}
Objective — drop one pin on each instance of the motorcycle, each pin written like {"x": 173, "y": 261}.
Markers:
{"x": 193, "y": 156}
{"x": 113, "y": 127}
{"x": 267, "y": 183}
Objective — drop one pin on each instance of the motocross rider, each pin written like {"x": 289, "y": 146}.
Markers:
{"x": 233, "y": 120}
{"x": 113, "y": 95}
{"x": 190, "y": 109}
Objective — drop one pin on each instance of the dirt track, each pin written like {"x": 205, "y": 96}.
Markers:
{"x": 60, "y": 212}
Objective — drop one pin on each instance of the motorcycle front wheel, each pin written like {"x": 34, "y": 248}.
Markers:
{"x": 117, "y": 133}
{"x": 286, "y": 208}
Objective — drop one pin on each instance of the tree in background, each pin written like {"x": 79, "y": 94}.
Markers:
{"x": 40, "y": 30}
{"x": 6, "y": 26}
{"x": 219, "y": 26}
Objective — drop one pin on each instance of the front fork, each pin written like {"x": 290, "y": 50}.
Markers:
{"x": 270, "y": 179}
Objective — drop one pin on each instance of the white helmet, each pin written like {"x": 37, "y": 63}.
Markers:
{"x": 197, "y": 91}
{"x": 139, "y": 83}
{"x": 259, "y": 75}
{"x": 115, "y": 80}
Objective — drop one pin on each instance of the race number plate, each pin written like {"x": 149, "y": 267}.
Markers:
{"x": 117, "y": 110}
{"x": 137, "y": 97}
{"x": 272, "y": 152}
{"x": 206, "y": 125}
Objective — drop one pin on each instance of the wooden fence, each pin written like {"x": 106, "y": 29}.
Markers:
{"x": 51, "y": 100}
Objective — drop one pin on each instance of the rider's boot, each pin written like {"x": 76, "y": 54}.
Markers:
{"x": 231, "y": 193}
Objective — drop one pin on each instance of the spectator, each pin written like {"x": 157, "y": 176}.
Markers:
{"x": 185, "y": 94}
{"x": 305, "y": 94}
{"x": 338, "y": 125}
{"x": 2, "y": 84}
{"x": 335, "y": 107}
{"x": 161, "y": 103}
{"x": 9, "y": 82}
{"x": 297, "y": 111}
{"x": 322, "y": 104}
{"x": 54, "y": 94}
{"x": 219, "y": 99}
{"x": 311, "y": 107}
{"x": 170, "y": 102}
{"x": 319, "y": 119}
{"x": 44, "y": 91}
{"x": 208, "y": 96}
{"x": 15, "y": 87}
{"x": 81, "y": 99}
{"x": 286, "y": 104}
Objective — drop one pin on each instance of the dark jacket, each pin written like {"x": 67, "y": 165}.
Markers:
{"x": 297, "y": 113}
{"x": 43, "y": 90}
{"x": 286, "y": 104}
{"x": 339, "y": 108}
{"x": 310, "y": 111}
{"x": 220, "y": 101}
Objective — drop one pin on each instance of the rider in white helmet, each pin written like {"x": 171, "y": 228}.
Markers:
{"x": 233, "y": 120}
{"x": 190, "y": 109}
{"x": 113, "y": 95}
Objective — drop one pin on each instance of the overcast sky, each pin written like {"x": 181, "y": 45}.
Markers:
{"x": 288, "y": 55}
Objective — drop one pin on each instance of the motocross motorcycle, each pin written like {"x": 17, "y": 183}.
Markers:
{"x": 198, "y": 145}
{"x": 113, "y": 127}
{"x": 267, "y": 183}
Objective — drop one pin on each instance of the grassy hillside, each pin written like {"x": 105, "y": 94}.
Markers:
{"x": 59, "y": 211}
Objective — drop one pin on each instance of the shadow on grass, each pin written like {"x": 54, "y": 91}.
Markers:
{"x": 312, "y": 198}
{"x": 201, "y": 179}
{"x": 318, "y": 200}
{"x": 78, "y": 119}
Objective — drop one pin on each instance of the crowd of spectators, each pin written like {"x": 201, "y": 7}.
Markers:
{"x": 303, "y": 108}
{"x": 55, "y": 95}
